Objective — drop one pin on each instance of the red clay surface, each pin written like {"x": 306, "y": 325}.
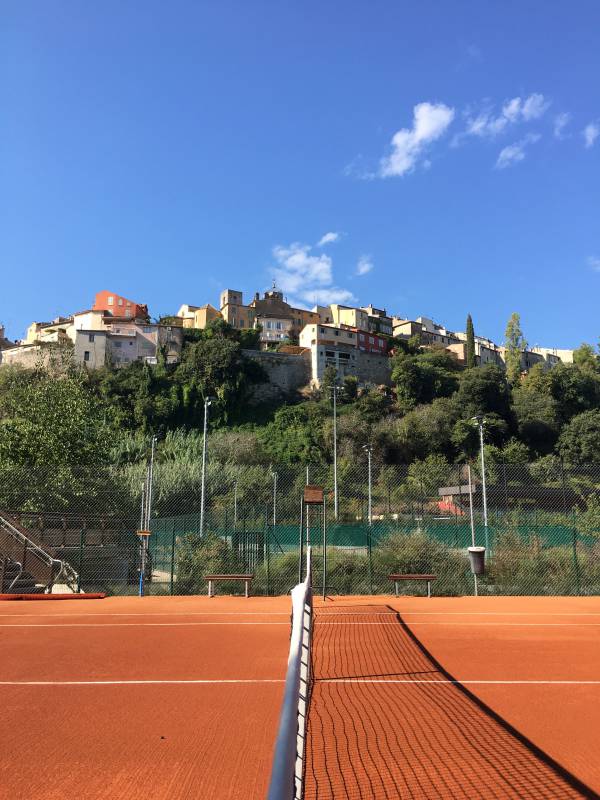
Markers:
{"x": 401, "y": 708}
{"x": 129, "y": 698}
{"x": 70, "y": 596}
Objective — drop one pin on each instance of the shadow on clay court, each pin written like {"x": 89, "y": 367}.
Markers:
{"x": 387, "y": 720}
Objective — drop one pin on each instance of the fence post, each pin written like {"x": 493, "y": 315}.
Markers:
{"x": 573, "y": 530}
{"x": 172, "y": 557}
{"x": 268, "y": 560}
{"x": 80, "y": 562}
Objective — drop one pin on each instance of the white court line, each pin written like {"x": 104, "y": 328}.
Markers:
{"x": 93, "y": 615}
{"x": 393, "y": 624}
{"x": 140, "y": 682}
{"x": 129, "y": 624}
{"x": 411, "y": 624}
{"x": 457, "y": 682}
{"x": 404, "y": 681}
{"x": 500, "y": 613}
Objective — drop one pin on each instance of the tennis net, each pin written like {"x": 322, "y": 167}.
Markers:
{"x": 287, "y": 774}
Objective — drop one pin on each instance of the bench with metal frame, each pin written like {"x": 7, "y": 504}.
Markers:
{"x": 412, "y": 577}
{"x": 247, "y": 579}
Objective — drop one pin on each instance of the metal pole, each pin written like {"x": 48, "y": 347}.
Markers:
{"x": 301, "y": 538}
{"x": 274, "y": 499}
{"x": 472, "y": 520}
{"x": 307, "y": 509}
{"x": 324, "y": 550}
{"x": 483, "y": 487}
{"x": 173, "y": 540}
{"x": 235, "y": 488}
{"x": 370, "y": 531}
{"x": 203, "y": 489}
{"x": 335, "y": 480}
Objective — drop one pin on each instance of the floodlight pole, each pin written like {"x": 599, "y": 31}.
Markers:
{"x": 335, "y": 389}
{"x": 472, "y": 520}
{"x": 207, "y": 402}
{"x": 481, "y": 422}
{"x": 306, "y": 511}
{"x": 274, "y": 474}
{"x": 369, "y": 451}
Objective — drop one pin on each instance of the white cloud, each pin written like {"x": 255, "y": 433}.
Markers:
{"x": 560, "y": 123}
{"x": 365, "y": 264}
{"x": 591, "y": 133}
{"x": 514, "y": 153}
{"x": 430, "y": 122}
{"x": 486, "y": 124}
{"x": 594, "y": 263}
{"x": 328, "y": 238}
{"x": 308, "y": 277}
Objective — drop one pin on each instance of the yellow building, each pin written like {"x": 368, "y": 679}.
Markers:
{"x": 198, "y": 316}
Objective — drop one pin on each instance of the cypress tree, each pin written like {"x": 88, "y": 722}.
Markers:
{"x": 470, "y": 343}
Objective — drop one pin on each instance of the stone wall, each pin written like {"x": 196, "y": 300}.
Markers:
{"x": 371, "y": 368}
{"x": 286, "y": 374}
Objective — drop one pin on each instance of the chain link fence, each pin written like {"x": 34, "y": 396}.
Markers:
{"x": 540, "y": 524}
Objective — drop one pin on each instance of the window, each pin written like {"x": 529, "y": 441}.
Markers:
{"x": 91, "y": 337}
{"x": 120, "y": 301}
{"x": 337, "y": 333}
{"x": 86, "y": 355}
{"x": 278, "y": 325}
{"x": 269, "y": 325}
{"x": 241, "y": 323}
{"x": 127, "y": 312}
{"x": 361, "y": 336}
{"x": 111, "y": 300}
{"x": 371, "y": 340}
{"x": 118, "y": 344}
{"x": 322, "y": 330}
{"x": 351, "y": 336}
{"x": 130, "y": 344}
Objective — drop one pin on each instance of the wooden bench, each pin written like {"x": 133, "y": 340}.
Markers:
{"x": 212, "y": 578}
{"x": 412, "y": 577}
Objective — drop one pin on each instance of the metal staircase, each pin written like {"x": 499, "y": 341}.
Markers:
{"x": 27, "y": 566}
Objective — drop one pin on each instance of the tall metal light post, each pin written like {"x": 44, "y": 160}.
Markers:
{"x": 369, "y": 451}
{"x": 480, "y": 420}
{"x": 146, "y": 515}
{"x": 336, "y": 389}
{"x": 274, "y": 476}
{"x": 207, "y": 402}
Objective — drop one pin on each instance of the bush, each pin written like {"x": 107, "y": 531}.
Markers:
{"x": 199, "y": 556}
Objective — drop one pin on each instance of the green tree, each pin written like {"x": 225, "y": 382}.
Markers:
{"x": 579, "y": 442}
{"x": 470, "y": 346}
{"x": 515, "y": 344}
{"x": 585, "y": 359}
{"x": 422, "y": 378}
{"x": 483, "y": 391}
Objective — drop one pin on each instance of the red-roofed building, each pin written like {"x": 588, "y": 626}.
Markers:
{"x": 119, "y": 306}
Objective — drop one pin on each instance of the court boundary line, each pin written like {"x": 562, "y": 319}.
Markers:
{"x": 571, "y": 779}
{"x": 462, "y": 682}
{"x": 129, "y": 624}
{"x": 146, "y": 682}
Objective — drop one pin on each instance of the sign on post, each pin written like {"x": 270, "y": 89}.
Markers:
{"x": 313, "y": 495}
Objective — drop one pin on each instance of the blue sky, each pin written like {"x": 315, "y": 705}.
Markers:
{"x": 167, "y": 150}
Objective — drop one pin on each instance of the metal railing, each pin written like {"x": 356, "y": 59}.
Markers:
{"x": 31, "y": 558}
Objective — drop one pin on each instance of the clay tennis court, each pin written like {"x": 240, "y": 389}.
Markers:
{"x": 140, "y": 697}
{"x": 455, "y": 698}
{"x": 413, "y": 698}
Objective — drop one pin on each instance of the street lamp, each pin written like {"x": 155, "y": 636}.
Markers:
{"x": 336, "y": 390}
{"x": 480, "y": 420}
{"x": 274, "y": 476}
{"x": 369, "y": 451}
{"x": 207, "y": 402}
